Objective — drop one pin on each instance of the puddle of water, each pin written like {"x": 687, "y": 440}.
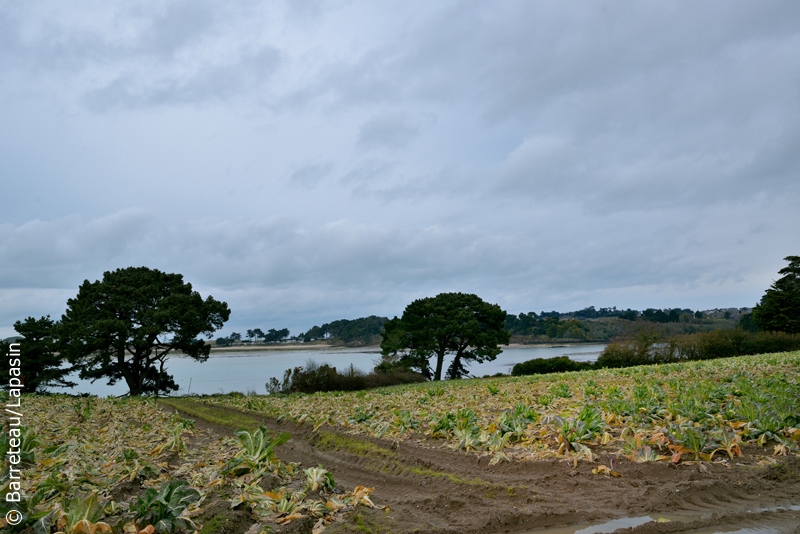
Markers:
{"x": 734, "y": 530}
{"x": 605, "y": 527}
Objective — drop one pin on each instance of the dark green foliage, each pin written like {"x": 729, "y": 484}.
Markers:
{"x": 124, "y": 326}
{"x": 450, "y": 323}
{"x": 538, "y": 366}
{"x": 592, "y": 313}
{"x": 548, "y": 325}
{"x": 258, "y": 451}
{"x": 573, "y": 324}
{"x": 275, "y": 336}
{"x": 255, "y": 334}
{"x": 746, "y": 323}
{"x": 779, "y": 309}
{"x": 314, "y": 377}
{"x": 524, "y": 324}
{"x": 357, "y": 331}
{"x": 624, "y": 354}
{"x": 665, "y": 316}
{"x": 163, "y": 508}
{"x": 39, "y": 365}
{"x": 316, "y": 332}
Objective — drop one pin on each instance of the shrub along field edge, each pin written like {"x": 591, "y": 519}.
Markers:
{"x": 646, "y": 347}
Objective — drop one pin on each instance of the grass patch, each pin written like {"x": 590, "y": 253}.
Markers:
{"x": 214, "y": 525}
{"x": 367, "y": 449}
{"x": 330, "y": 441}
{"x": 454, "y": 479}
{"x": 214, "y": 415}
{"x": 365, "y": 521}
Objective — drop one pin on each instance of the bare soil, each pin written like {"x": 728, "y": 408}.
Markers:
{"x": 431, "y": 488}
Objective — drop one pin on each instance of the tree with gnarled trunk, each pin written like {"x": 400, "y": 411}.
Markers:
{"x": 126, "y": 325}
{"x": 451, "y": 323}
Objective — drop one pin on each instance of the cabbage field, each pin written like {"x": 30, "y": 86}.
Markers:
{"x": 129, "y": 466}
{"x": 694, "y": 411}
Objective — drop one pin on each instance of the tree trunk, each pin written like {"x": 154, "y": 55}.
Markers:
{"x": 439, "y": 364}
{"x": 158, "y": 378}
{"x": 129, "y": 373}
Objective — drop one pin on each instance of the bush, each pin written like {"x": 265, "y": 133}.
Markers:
{"x": 643, "y": 350}
{"x": 727, "y": 343}
{"x": 622, "y": 354}
{"x": 314, "y": 377}
{"x": 539, "y": 366}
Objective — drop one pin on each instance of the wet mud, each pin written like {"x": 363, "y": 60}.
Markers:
{"x": 431, "y": 488}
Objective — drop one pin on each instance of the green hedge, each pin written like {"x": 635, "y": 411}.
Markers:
{"x": 643, "y": 350}
{"x": 314, "y": 377}
{"x": 540, "y": 366}
{"x": 646, "y": 348}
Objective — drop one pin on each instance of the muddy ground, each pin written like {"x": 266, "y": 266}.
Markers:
{"x": 431, "y": 488}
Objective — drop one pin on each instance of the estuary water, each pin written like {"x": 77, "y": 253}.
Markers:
{"x": 224, "y": 372}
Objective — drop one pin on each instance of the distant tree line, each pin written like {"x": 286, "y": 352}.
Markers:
{"x": 256, "y": 336}
{"x": 365, "y": 330}
{"x": 571, "y": 325}
{"x": 531, "y": 324}
{"x": 605, "y": 323}
{"x": 546, "y": 325}
{"x": 592, "y": 313}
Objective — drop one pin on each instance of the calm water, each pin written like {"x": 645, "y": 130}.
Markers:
{"x": 234, "y": 371}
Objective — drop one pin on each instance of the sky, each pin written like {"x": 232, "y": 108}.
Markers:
{"x": 311, "y": 161}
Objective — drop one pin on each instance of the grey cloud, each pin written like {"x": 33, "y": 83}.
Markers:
{"x": 47, "y": 254}
{"x": 388, "y": 131}
{"x": 180, "y": 23}
{"x": 528, "y": 55}
{"x": 138, "y": 55}
{"x": 208, "y": 83}
{"x": 659, "y": 108}
{"x": 368, "y": 171}
{"x": 305, "y": 11}
{"x": 309, "y": 176}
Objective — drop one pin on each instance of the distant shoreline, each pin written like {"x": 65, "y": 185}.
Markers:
{"x": 322, "y": 347}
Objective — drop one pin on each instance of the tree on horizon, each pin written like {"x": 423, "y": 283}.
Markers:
{"x": 459, "y": 324}
{"x": 125, "y": 326}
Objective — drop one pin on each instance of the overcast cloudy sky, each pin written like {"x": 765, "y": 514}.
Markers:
{"x": 310, "y": 161}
